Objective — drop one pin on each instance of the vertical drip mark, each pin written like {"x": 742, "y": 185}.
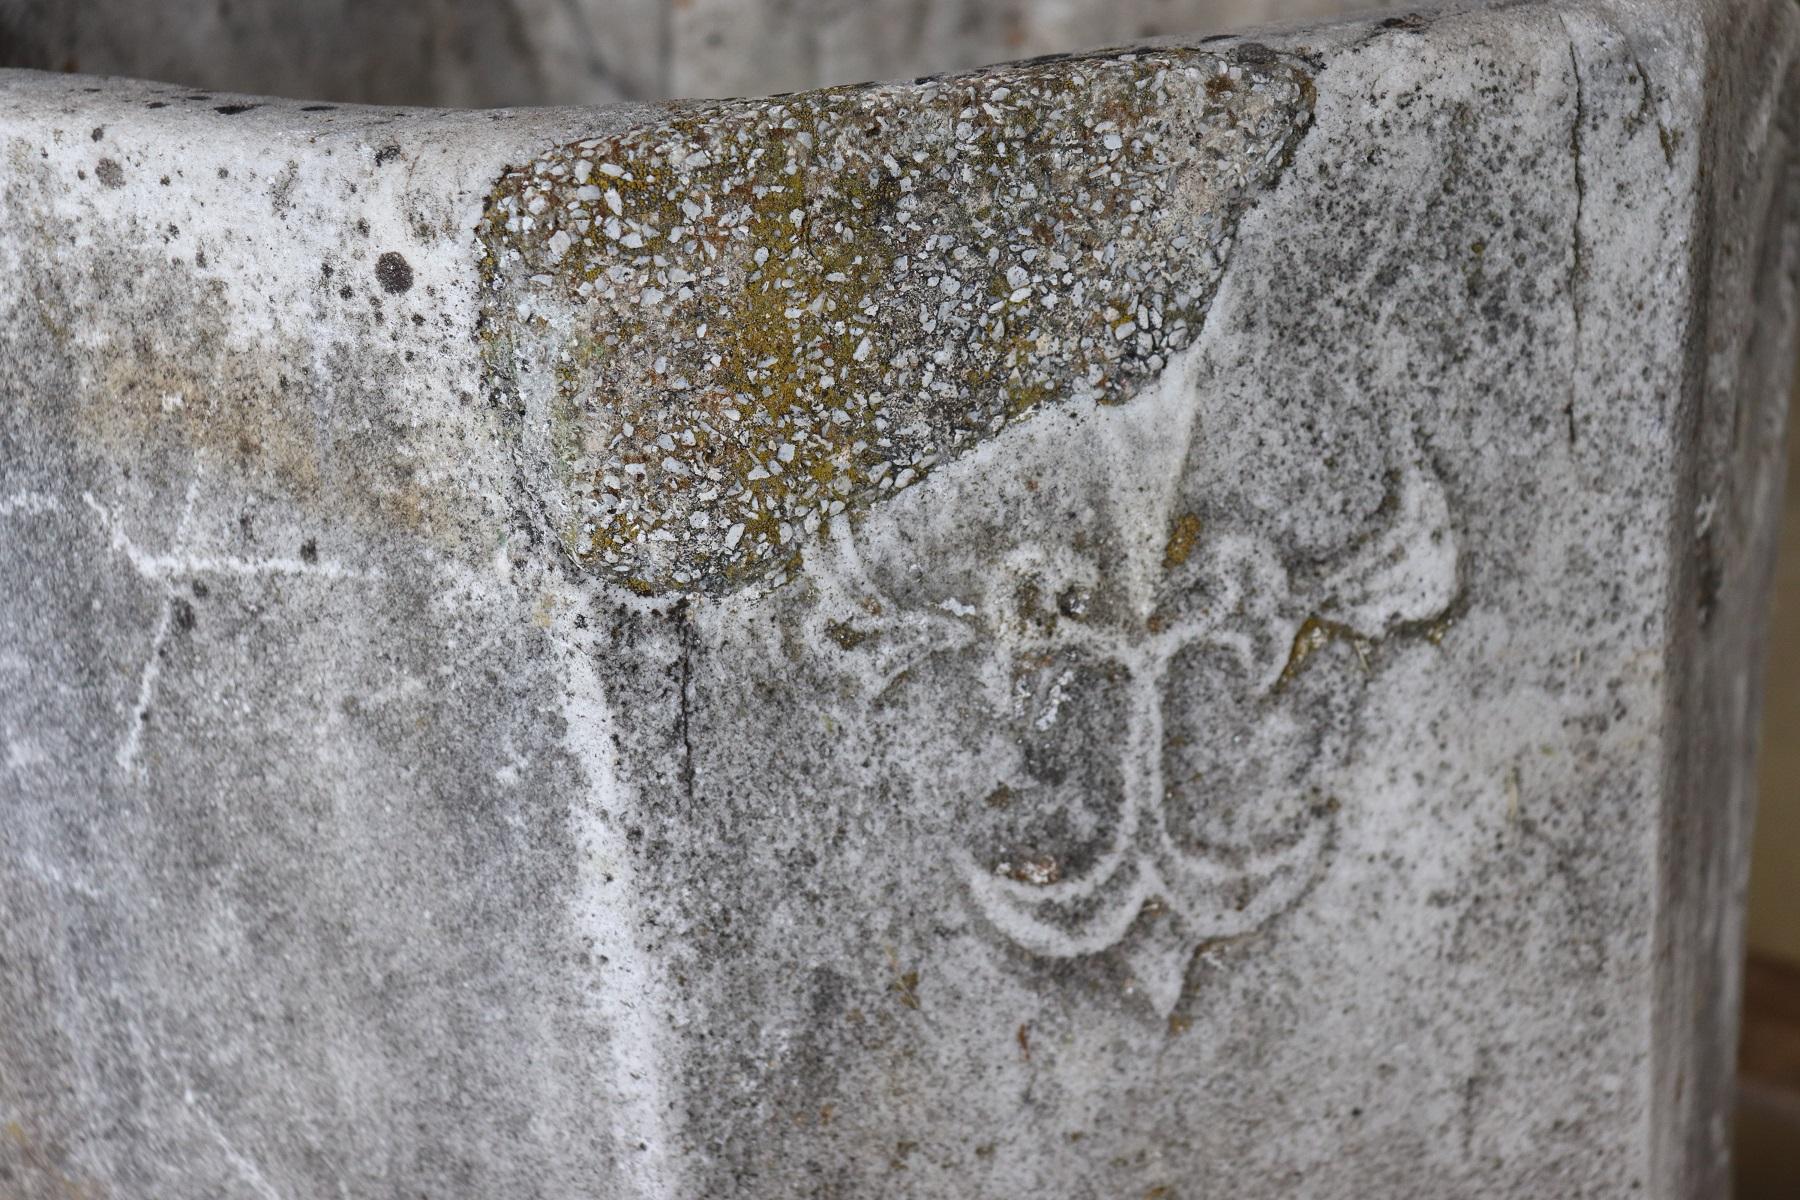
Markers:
{"x": 1576, "y": 264}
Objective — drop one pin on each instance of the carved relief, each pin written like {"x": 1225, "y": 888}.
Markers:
{"x": 1128, "y": 714}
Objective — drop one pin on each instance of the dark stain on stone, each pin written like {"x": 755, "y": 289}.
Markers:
{"x": 184, "y": 616}
{"x": 1710, "y": 580}
{"x": 232, "y": 110}
{"x": 99, "y": 132}
{"x": 394, "y": 273}
{"x": 387, "y": 154}
{"x": 157, "y": 104}
{"x": 845, "y": 635}
{"x": 309, "y": 551}
{"x": 318, "y": 108}
{"x": 110, "y": 173}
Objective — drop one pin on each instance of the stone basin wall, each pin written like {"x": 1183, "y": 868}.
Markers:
{"x": 1169, "y": 621}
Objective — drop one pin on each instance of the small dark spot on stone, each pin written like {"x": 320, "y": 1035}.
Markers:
{"x": 198, "y": 96}
{"x": 394, "y": 273}
{"x": 1255, "y": 53}
{"x": 387, "y": 154}
{"x": 845, "y": 635}
{"x": 184, "y": 616}
{"x": 164, "y": 181}
{"x": 201, "y": 591}
{"x": 232, "y": 110}
{"x": 110, "y": 173}
{"x": 157, "y": 104}
{"x": 199, "y": 258}
{"x": 309, "y": 551}
{"x": 318, "y": 108}
{"x": 344, "y": 291}
{"x": 99, "y": 132}
{"x": 224, "y": 174}
{"x": 417, "y": 319}
{"x": 325, "y": 270}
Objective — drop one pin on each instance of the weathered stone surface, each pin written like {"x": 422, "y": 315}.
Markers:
{"x": 764, "y": 315}
{"x": 1309, "y": 758}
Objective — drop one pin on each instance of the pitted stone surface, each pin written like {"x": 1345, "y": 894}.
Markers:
{"x": 1310, "y": 766}
{"x": 765, "y": 314}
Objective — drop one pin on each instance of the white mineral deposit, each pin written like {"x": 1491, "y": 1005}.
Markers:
{"x": 1147, "y": 623}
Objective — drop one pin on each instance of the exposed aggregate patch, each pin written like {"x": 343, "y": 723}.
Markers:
{"x": 762, "y": 314}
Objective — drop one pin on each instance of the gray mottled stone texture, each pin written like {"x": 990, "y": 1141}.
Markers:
{"x": 1295, "y": 745}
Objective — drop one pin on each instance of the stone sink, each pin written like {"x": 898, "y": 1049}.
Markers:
{"x": 1164, "y": 622}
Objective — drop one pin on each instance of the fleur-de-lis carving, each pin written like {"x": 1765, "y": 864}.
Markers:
{"x": 1114, "y": 718}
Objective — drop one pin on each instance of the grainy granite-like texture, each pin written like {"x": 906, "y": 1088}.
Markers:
{"x": 1312, "y": 764}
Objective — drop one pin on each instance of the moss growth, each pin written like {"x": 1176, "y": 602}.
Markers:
{"x": 1182, "y": 539}
{"x": 762, "y": 315}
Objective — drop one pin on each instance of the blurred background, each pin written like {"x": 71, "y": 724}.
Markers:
{"x": 486, "y": 53}
{"x": 1768, "y": 1132}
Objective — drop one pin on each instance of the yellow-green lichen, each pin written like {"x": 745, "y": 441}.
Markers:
{"x": 759, "y": 315}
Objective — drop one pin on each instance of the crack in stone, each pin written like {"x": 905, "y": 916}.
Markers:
{"x": 1576, "y": 265}
{"x": 684, "y": 724}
